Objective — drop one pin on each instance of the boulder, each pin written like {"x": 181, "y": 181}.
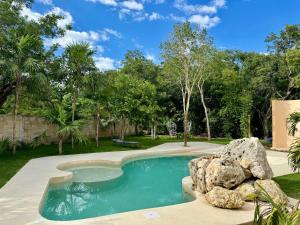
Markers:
{"x": 224, "y": 198}
{"x": 194, "y": 166}
{"x": 198, "y": 170}
{"x": 273, "y": 189}
{"x": 225, "y": 173}
{"x": 251, "y": 155}
{"x": 246, "y": 189}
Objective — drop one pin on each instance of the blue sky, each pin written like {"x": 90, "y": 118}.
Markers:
{"x": 113, "y": 27}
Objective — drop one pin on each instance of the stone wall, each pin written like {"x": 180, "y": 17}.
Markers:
{"x": 27, "y": 128}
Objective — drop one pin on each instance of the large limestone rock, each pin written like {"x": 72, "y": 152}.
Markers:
{"x": 273, "y": 189}
{"x": 246, "y": 190}
{"x": 224, "y": 173}
{"x": 224, "y": 198}
{"x": 198, "y": 171}
{"x": 251, "y": 155}
{"x": 194, "y": 166}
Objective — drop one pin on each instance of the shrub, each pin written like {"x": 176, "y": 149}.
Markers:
{"x": 294, "y": 155}
{"x": 4, "y": 145}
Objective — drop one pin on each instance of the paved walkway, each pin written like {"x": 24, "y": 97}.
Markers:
{"x": 20, "y": 198}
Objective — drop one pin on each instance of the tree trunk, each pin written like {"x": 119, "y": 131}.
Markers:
{"x": 186, "y": 106}
{"x": 97, "y": 128}
{"x": 153, "y": 131}
{"x": 122, "y": 130}
{"x": 249, "y": 126}
{"x": 266, "y": 127}
{"x": 60, "y": 146}
{"x": 114, "y": 130}
{"x": 185, "y": 127}
{"x": 205, "y": 111}
{"x": 15, "y": 112}
{"x": 73, "y": 119}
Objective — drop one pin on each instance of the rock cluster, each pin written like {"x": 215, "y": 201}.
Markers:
{"x": 231, "y": 177}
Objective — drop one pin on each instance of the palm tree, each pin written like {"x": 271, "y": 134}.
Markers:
{"x": 78, "y": 62}
{"x": 58, "y": 116}
{"x": 294, "y": 154}
{"x": 267, "y": 212}
{"x": 293, "y": 120}
{"x": 21, "y": 64}
{"x": 96, "y": 91}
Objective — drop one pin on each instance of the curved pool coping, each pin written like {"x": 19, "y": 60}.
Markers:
{"x": 78, "y": 164}
{"x": 21, "y": 197}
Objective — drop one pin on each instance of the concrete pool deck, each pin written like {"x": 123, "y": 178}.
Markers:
{"x": 20, "y": 198}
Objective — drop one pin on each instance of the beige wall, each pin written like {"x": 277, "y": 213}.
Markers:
{"x": 281, "y": 109}
{"x": 28, "y": 128}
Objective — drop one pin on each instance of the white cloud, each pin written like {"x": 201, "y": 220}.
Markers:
{"x": 212, "y": 8}
{"x": 72, "y": 36}
{"x": 219, "y": 3}
{"x": 99, "y": 49}
{"x": 30, "y": 15}
{"x": 204, "y": 21}
{"x": 35, "y": 16}
{"x": 179, "y": 19}
{"x": 150, "y": 57}
{"x": 113, "y": 32}
{"x": 45, "y": 2}
{"x": 123, "y": 13}
{"x": 105, "y": 2}
{"x": 155, "y": 16}
{"x": 92, "y": 37}
{"x": 67, "y": 17}
{"x": 132, "y": 5}
{"x": 105, "y": 63}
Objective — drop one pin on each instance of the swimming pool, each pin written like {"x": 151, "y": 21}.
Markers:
{"x": 141, "y": 184}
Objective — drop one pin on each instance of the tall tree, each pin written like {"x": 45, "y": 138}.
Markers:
{"x": 58, "y": 115}
{"x": 96, "y": 92}
{"x": 77, "y": 62}
{"x": 204, "y": 58}
{"x": 22, "y": 52}
{"x": 185, "y": 63}
{"x": 132, "y": 100}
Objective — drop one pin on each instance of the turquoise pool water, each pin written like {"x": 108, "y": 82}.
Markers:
{"x": 145, "y": 183}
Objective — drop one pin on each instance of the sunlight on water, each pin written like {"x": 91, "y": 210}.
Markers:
{"x": 145, "y": 183}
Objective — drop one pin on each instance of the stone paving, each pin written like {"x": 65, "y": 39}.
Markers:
{"x": 20, "y": 198}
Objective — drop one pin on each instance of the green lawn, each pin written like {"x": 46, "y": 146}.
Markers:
{"x": 290, "y": 184}
{"x": 9, "y": 164}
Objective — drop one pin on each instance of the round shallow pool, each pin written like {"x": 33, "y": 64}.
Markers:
{"x": 145, "y": 183}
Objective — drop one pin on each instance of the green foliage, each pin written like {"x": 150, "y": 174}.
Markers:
{"x": 58, "y": 115}
{"x": 267, "y": 212}
{"x": 290, "y": 184}
{"x": 294, "y": 155}
{"x": 236, "y": 86}
{"x": 136, "y": 64}
{"x": 292, "y": 121}
{"x": 5, "y": 145}
{"x": 39, "y": 140}
{"x": 133, "y": 99}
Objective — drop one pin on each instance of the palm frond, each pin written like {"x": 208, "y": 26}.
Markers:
{"x": 267, "y": 212}
{"x": 294, "y": 155}
{"x": 293, "y": 120}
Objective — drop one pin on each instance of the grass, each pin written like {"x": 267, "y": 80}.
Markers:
{"x": 10, "y": 165}
{"x": 290, "y": 184}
